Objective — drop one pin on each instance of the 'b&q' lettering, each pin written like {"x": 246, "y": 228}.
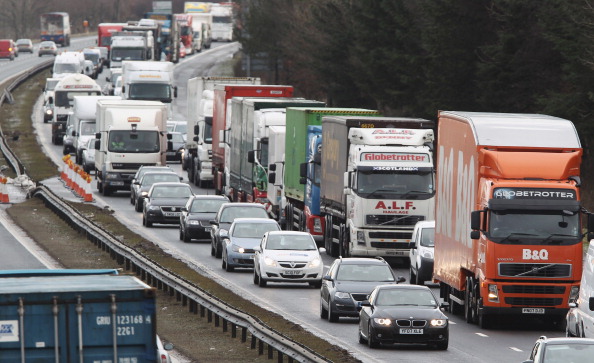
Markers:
{"x": 528, "y": 254}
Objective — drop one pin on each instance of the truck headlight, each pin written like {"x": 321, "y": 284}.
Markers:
{"x": 361, "y": 238}
{"x": 427, "y": 253}
{"x": 493, "y": 293}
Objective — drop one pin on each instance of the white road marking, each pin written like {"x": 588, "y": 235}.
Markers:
{"x": 516, "y": 349}
{"x": 482, "y": 335}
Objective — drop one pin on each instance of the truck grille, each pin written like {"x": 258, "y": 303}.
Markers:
{"x": 534, "y": 289}
{"x": 533, "y": 301}
{"x": 392, "y": 220}
{"x": 62, "y": 118}
{"x": 398, "y": 245}
{"x": 390, "y": 235}
{"x": 538, "y": 270}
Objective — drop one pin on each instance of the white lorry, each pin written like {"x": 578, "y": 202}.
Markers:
{"x": 222, "y": 22}
{"x": 377, "y": 182}
{"x": 276, "y": 162}
{"x": 197, "y": 158}
{"x": 64, "y": 93}
{"x": 81, "y": 123}
{"x": 149, "y": 81}
{"x": 130, "y": 45}
{"x": 202, "y": 28}
{"x": 130, "y": 134}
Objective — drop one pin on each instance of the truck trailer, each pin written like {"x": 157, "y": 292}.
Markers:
{"x": 76, "y": 317}
{"x": 377, "y": 182}
{"x": 508, "y": 232}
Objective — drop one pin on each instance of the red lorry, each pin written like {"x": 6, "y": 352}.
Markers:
{"x": 508, "y": 231}
{"x": 104, "y": 31}
{"x": 186, "y": 31}
{"x": 222, "y": 94}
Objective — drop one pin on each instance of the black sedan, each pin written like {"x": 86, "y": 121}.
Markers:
{"x": 141, "y": 187}
{"x": 348, "y": 282}
{"x": 194, "y": 221}
{"x": 164, "y": 202}
{"x": 406, "y": 314}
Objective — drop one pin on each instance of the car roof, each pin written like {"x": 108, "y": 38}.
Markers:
{"x": 249, "y": 205}
{"x": 210, "y": 197}
{"x": 362, "y": 260}
{"x": 170, "y": 184}
{"x": 403, "y": 287}
{"x": 290, "y": 233}
{"x": 159, "y": 173}
{"x": 566, "y": 340}
{"x": 254, "y": 220}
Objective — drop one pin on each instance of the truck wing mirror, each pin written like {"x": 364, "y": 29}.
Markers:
{"x": 169, "y": 136}
{"x": 475, "y": 220}
{"x": 271, "y": 178}
{"x": 196, "y": 130}
{"x": 590, "y": 226}
{"x": 97, "y": 144}
{"x": 272, "y": 167}
{"x": 251, "y": 156}
{"x": 98, "y": 135}
{"x": 475, "y": 234}
{"x": 303, "y": 170}
{"x": 169, "y": 146}
{"x": 591, "y": 303}
{"x": 175, "y": 91}
{"x": 123, "y": 89}
{"x": 50, "y": 100}
{"x": 302, "y": 181}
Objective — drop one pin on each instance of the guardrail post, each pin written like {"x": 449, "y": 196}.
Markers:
{"x": 244, "y": 334}
{"x": 233, "y": 330}
{"x": 217, "y": 320}
{"x": 202, "y": 311}
{"x": 209, "y": 315}
{"x": 260, "y": 347}
{"x": 280, "y": 357}
{"x": 270, "y": 352}
{"x": 253, "y": 342}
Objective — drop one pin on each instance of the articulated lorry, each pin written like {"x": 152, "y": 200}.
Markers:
{"x": 377, "y": 181}
{"x": 131, "y": 46}
{"x": 222, "y": 22}
{"x": 64, "y": 93}
{"x": 508, "y": 232}
{"x": 76, "y": 316}
{"x": 149, "y": 81}
{"x": 248, "y": 143}
{"x": 298, "y": 189}
{"x": 197, "y": 158}
{"x": 130, "y": 134}
{"x": 221, "y": 123}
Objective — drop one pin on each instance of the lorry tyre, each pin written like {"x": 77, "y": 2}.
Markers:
{"x": 468, "y": 298}
{"x": 106, "y": 192}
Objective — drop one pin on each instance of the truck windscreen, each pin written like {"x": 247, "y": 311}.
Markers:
{"x": 66, "y": 99}
{"x": 150, "y": 91}
{"x": 534, "y": 227}
{"x": 133, "y": 142}
{"x": 119, "y": 54}
{"x": 395, "y": 184}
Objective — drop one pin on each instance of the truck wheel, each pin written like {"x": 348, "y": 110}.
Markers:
{"x": 99, "y": 186}
{"x": 289, "y": 214}
{"x": 106, "y": 192}
{"x": 484, "y": 321}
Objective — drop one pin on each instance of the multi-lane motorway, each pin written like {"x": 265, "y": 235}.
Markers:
{"x": 468, "y": 343}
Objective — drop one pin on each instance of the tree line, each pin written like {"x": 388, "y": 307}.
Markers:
{"x": 413, "y": 58}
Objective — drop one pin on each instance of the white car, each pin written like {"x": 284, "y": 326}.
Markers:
{"x": 162, "y": 351}
{"x": 286, "y": 256}
{"x": 88, "y": 156}
{"x": 421, "y": 252}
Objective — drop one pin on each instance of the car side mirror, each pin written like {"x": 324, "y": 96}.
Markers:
{"x": 400, "y": 279}
{"x": 365, "y": 303}
{"x": 322, "y": 250}
{"x": 168, "y": 346}
{"x": 213, "y": 222}
{"x": 175, "y": 91}
{"x": 184, "y": 209}
{"x": 327, "y": 278}
{"x": 444, "y": 305}
{"x": 257, "y": 249}
{"x": 223, "y": 233}
{"x": 412, "y": 245}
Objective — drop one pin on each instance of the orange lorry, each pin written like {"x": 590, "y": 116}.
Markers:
{"x": 508, "y": 232}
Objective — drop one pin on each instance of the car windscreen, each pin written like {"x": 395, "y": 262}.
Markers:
{"x": 229, "y": 214}
{"x": 171, "y": 192}
{"x": 405, "y": 297}
{"x": 206, "y": 206}
{"x": 364, "y": 272}
{"x": 253, "y": 230}
{"x": 290, "y": 242}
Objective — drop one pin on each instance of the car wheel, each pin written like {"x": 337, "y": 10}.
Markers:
{"x": 146, "y": 223}
{"x": 106, "y": 192}
{"x": 413, "y": 277}
{"x": 332, "y": 317}
{"x": 256, "y": 279}
{"x": 226, "y": 266}
{"x": 132, "y": 198}
{"x": 186, "y": 237}
{"x": 484, "y": 321}
{"x": 218, "y": 251}
{"x": 371, "y": 342}
{"x": 261, "y": 281}
{"x": 443, "y": 345}
{"x": 362, "y": 339}
{"x": 316, "y": 284}
{"x": 323, "y": 312}
{"x": 212, "y": 249}
{"x": 137, "y": 205}
{"x": 181, "y": 234}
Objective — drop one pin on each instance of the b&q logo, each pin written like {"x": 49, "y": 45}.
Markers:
{"x": 133, "y": 119}
{"x": 528, "y": 254}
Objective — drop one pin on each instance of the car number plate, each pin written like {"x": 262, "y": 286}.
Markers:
{"x": 533, "y": 311}
{"x": 171, "y": 214}
{"x": 292, "y": 272}
{"x": 117, "y": 183}
{"x": 207, "y": 229}
{"x": 410, "y": 331}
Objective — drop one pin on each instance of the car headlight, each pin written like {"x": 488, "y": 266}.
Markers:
{"x": 143, "y": 194}
{"x": 438, "y": 322}
{"x": 382, "y": 321}
{"x": 153, "y": 207}
{"x": 427, "y": 253}
{"x": 315, "y": 262}
{"x": 342, "y": 295}
{"x": 269, "y": 261}
{"x": 236, "y": 248}
{"x": 194, "y": 222}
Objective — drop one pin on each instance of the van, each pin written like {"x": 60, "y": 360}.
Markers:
{"x": 421, "y": 252}
{"x": 580, "y": 318}
{"x": 68, "y": 63}
{"x": 8, "y": 49}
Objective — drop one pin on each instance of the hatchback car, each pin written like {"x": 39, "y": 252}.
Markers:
{"x": 348, "y": 282}
{"x": 421, "y": 252}
{"x": 88, "y": 156}
{"x": 8, "y": 49}
{"x": 287, "y": 256}
{"x": 225, "y": 217}
{"x": 407, "y": 314}
{"x": 164, "y": 202}
{"x": 562, "y": 350}
{"x": 194, "y": 221}
{"x": 141, "y": 188}
{"x": 47, "y": 48}
{"x": 244, "y": 235}
{"x": 24, "y": 45}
